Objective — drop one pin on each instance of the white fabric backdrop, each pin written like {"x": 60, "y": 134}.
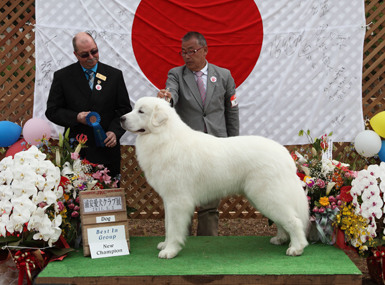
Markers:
{"x": 308, "y": 75}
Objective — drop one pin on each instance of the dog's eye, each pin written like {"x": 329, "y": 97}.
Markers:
{"x": 141, "y": 112}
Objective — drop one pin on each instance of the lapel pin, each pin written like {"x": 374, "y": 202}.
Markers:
{"x": 213, "y": 79}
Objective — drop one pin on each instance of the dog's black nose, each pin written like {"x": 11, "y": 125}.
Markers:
{"x": 122, "y": 119}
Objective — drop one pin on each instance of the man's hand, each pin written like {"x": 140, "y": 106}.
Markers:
{"x": 110, "y": 141}
{"x": 164, "y": 93}
{"x": 81, "y": 118}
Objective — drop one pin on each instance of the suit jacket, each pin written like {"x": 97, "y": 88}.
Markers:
{"x": 218, "y": 114}
{"x": 70, "y": 94}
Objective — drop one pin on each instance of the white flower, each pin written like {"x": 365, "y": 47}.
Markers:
{"x": 329, "y": 187}
{"x": 6, "y": 176}
{"x": 17, "y": 220}
{"x": 20, "y": 187}
{"x": 22, "y": 172}
{"x": 371, "y": 191}
{"x": 67, "y": 169}
{"x": 374, "y": 170}
{"x": 6, "y": 163}
{"x": 5, "y": 207}
{"x": 77, "y": 166}
{"x": 20, "y": 179}
{"x": 301, "y": 159}
{"x": 306, "y": 170}
{"x": 4, "y": 220}
{"x": 48, "y": 196}
{"x": 21, "y": 203}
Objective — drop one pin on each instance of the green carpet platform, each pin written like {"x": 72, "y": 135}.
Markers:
{"x": 207, "y": 260}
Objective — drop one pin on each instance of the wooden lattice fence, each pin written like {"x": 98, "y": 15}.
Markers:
{"x": 17, "y": 76}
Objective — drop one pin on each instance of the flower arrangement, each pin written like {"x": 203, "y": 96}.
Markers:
{"x": 29, "y": 186}
{"x": 77, "y": 175}
{"x": 326, "y": 182}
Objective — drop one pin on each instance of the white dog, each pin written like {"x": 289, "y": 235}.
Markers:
{"x": 189, "y": 168}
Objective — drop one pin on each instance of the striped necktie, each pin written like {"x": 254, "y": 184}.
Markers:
{"x": 201, "y": 86}
{"x": 90, "y": 78}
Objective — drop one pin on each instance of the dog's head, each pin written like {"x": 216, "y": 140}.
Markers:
{"x": 148, "y": 116}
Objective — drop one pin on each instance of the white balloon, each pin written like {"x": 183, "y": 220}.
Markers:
{"x": 367, "y": 143}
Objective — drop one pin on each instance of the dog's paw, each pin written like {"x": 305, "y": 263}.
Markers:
{"x": 168, "y": 254}
{"x": 161, "y": 245}
{"x": 293, "y": 251}
{"x": 277, "y": 241}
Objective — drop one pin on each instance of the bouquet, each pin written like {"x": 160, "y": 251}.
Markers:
{"x": 324, "y": 179}
{"x": 77, "y": 175}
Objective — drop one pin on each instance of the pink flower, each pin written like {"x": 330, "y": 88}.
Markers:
{"x": 321, "y": 210}
{"x": 71, "y": 206}
{"x": 106, "y": 179}
{"x": 60, "y": 205}
{"x": 332, "y": 199}
{"x": 320, "y": 183}
{"x": 334, "y": 206}
{"x": 42, "y": 204}
{"x": 76, "y": 208}
{"x": 315, "y": 209}
{"x": 77, "y": 199}
{"x": 100, "y": 166}
{"x": 74, "y": 214}
{"x": 74, "y": 155}
{"x": 97, "y": 175}
{"x": 115, "y": 184}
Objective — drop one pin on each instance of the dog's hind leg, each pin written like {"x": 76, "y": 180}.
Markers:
{"x": 178, "y": 216}
{"x": 282, "y": 236}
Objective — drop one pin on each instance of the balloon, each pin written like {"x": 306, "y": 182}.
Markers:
{"x": 381, "y": 153}
{"x": 378, "y": 123}
{"x": 9, "y": 133}
{"x": 18, "y": 146}
{"x": 34, "y": 129}
{"x": 367, "y": 143}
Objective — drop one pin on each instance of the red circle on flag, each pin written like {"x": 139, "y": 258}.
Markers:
{"x": 233, "y": 31}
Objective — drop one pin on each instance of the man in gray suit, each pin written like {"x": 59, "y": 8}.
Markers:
{"x": 203, "y": 95}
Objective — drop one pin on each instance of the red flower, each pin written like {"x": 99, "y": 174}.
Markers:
{"x": 345, "y": 194}
{"x": 64, "y": 181}
{"x": 301, "y": 175}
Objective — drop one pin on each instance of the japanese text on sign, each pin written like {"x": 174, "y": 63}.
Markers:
{"x": 102, "y": 204}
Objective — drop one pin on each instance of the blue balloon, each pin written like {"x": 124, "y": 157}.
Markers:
{"x": 9, "y": 133}
{"x": 381, "y": 153}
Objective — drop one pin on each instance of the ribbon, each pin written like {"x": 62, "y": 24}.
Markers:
{"x": 324, "y": 225}
{"x": 93, "y": 120}
{"x": 376, "y": 265}
{"x": 25, "y": 262}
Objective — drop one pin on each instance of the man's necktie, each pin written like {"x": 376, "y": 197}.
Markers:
{"x": 201, "y": 86}
{"x": 90, "y": 78}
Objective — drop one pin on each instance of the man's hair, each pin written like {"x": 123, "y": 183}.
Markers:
{"x": 200, "y": 38}
{"x": 75, "y": 39}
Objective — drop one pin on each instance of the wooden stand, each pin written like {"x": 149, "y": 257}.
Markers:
{"x": 102, "y": 208}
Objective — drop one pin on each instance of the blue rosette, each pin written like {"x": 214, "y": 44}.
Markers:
{"x": 93, "y": 120}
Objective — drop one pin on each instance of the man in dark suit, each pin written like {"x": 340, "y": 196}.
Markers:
{"x": 85, "y": 86}
{"x": 204, "y": 97}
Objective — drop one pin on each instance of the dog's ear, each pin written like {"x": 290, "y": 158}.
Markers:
{"x": 159, "y": 116}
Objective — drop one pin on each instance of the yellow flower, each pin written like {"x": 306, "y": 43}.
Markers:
{"x": 324, "y": 201}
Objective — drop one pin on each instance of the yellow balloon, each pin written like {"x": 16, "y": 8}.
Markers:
{"x": 378, "y": 123}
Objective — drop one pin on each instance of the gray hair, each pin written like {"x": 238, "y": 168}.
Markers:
{"x": 200, "y": 38}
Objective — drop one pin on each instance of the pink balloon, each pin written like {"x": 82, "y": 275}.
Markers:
{"x": 18, "y": 146}
{"x": 34, "y": 129}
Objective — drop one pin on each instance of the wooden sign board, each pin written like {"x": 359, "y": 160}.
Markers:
{"x": 102, "y": 208}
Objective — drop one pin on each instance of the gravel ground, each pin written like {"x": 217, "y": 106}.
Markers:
{"x": 235, "y": 227}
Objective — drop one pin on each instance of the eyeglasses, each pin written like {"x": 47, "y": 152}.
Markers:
{"x": 85, "y": 55}
{"x": 190, "y": 52}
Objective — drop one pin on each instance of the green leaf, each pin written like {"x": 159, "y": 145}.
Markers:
{"x": 8, "y": 239}
{"x": 67, "y": 134}
{"x": 300, "y": 134}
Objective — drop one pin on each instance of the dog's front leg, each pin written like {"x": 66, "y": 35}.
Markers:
{"x": 178, "y": 217}
{"x": 162, "y": 245}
